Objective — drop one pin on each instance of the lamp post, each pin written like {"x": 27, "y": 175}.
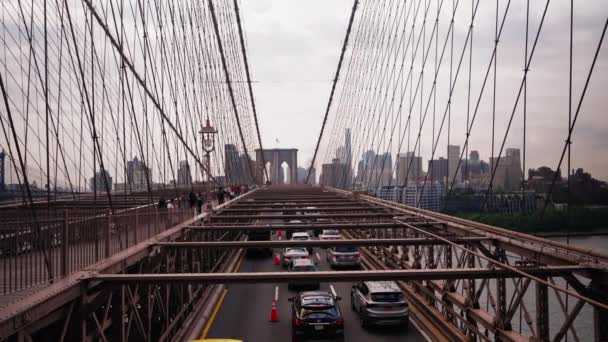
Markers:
{"x": 208, "y": 141}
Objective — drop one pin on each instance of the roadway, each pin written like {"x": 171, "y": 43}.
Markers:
{"x": 244, "y": 311}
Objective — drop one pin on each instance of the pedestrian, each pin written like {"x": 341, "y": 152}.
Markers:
{"x": 220, "y": 196}
{"x": 199, "y": 203}
{"x": 192, "y": 199}
{"x": 161, "y": 203}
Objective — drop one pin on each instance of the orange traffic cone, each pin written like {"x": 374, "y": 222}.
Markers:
{"x": 274, "y": 315}
{"x": 276, "y": 259}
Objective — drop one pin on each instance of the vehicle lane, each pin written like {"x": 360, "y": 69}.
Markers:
{"x": 245, "y": 311}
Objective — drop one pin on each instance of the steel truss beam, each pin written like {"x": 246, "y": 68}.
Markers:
{"x": 319, "y": 243}
{"x": 299, "y": 217}
{"x": 298, "y": 209}
{"x": 292, "y": 226}
{"x": 330, "y": 276}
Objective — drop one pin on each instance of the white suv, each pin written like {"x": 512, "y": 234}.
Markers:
{"x": 379, "y": 302}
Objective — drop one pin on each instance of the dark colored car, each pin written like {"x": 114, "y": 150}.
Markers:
{"x": 316, "y": 314}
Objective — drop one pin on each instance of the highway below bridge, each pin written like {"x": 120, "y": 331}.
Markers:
{"x": 462, "y": 280}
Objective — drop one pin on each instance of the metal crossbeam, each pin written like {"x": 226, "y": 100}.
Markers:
{"x": 319, "y": 243}
{"x": 296, "y": 226}
{"x": 301, "y": 217}
{"x": 329, "y": 276}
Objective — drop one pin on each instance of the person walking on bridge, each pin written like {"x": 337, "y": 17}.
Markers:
{"x": 220, "y": 196}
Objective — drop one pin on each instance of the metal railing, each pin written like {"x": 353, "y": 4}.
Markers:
{"x": 35, "y": 252}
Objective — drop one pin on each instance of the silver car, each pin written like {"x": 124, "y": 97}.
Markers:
{"x": 380, "y": 303}
{"x": 292, "y": 253}
{"x": 302, "y": 265}
{"x": 343, "y": 256}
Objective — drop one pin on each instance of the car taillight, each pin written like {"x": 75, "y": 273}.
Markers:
{"x": 297, "y": 322}
{"x": 287, "y": 257}
{"x": 305, "y": 257}
{"x": 340, "y": 322}
{"x": 357, "y": 255}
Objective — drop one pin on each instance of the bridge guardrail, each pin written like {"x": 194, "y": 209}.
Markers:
{"x": 41, "y": 251}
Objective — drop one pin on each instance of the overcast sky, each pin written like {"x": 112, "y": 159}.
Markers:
{"x": 294, "y": 48}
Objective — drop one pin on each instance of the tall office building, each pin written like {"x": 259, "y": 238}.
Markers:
{"x": 335, "y": 175}
{"x": 508, "y": 174}
{"x": 184, "y": 176}
{"x": 246, "y": 175}
{"x": 98, "y": 184}
{"x": 341, "y": 154}
{"x": 453, "y": 161}
{"x": 138, "y": 175}
{"x": 474, "y": 156}
{"x": 232, "y": 163}
{"x": 348, "y": 153}
{"x": 428, "y": 195}
{"x": 409, "y": 168}
{"x": 438, "y": 170}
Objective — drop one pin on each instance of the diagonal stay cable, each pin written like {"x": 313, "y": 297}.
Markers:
{"x": 333, "y": 87}
{"x": 578, "y": 109}
{"x": 229, "y": 84}
{"x": 141, "y": 82}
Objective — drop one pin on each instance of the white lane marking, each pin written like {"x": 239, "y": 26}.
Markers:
{"x": 318, "y": 257}
{"x": 333, "y": 291}
{"x": 276, "y": 293}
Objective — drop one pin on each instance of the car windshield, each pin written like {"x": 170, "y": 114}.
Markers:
{"x": 330, "y": 232}
{"x": 295, "y": 250}
{"x": 346, "y": 249}
{"x": 319, "y": 312}
{"x": 307, "y": 268}
{"x": 388, "y": 297}
{"x": 300, "y": 237}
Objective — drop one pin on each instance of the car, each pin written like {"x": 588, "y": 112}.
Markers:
{"x": 292, "y": 253}
{"x": 290, "y": 232}
{"x": 329, "y": 234}
{"x": 300, "y": 236}
{"x": 379, "y": 303}
{"x": 343, "y": 256}
{"x": 302, "y": 265}
{"x": 316, "y": 314}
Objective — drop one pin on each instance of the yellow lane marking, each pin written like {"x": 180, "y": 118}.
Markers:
{"x": 219, "y": 303}
{"x": 213, "y": 314}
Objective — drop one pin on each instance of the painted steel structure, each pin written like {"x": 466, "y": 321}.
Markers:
{"x": 463, "y": 280}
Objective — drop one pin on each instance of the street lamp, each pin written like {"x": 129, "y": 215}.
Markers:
{"x": 208, "y": 140}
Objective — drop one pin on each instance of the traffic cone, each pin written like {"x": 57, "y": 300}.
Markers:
{"x": 279, "y": 233}
{"x": 276, "y": 259}
{"x": 274, "y": 315}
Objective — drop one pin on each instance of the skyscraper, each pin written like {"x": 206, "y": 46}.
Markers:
{"x": 348, "y": 153}
{"x": 453, "y": 161}
{"x": 341, "y": 154}
{"x": 474, "y": 156}
{"x": 409, "y": 167}
{"x": 184, "y": 177}
{"x": 438, "y": 170}
{"x": 98, "y": 184}
{"x": 232, "y": 165}
{"x": 138, "y": 175}
{"x": 508, "y": 174}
